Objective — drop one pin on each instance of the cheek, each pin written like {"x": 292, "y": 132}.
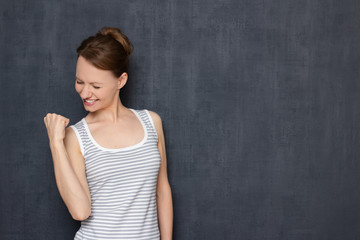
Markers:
{"x": 77, "y": 88}
{"x": 101, "y": 95}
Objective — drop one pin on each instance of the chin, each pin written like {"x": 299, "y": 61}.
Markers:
{"x": 89, "y": 109}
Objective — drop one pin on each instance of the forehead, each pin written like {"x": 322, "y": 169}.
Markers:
{"x": 87, "y": 72}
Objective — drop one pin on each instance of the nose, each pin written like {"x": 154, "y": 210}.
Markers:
{"x": 85, "y": 92}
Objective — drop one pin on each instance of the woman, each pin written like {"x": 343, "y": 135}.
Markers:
{"x": 110, "y": 167}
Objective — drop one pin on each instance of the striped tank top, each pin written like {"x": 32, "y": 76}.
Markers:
{"x": 122, "y": 184}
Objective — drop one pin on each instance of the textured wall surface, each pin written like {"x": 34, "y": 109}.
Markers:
{"x": 259, "y": 100}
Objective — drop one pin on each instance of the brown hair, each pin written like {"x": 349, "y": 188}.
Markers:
{"x": 109, "y": 49}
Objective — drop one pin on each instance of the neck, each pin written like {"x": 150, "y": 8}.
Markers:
{"x": 111, "y": 113}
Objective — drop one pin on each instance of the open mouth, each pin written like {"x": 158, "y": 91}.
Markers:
{"x": 90, "y": 100}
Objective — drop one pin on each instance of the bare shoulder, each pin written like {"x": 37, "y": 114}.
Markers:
{"x": 71, "y": 141}
{"x": 157, "y": 120}
{"x": 69, "y": 134}
{"x": 156, "y": 117}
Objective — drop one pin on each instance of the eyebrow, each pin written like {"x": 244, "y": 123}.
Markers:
{"x": 90, "y": 82}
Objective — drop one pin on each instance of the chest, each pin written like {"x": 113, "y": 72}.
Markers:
{"x": 115, "y": 137}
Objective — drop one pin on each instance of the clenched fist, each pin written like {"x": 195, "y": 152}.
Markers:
{"x": 55, "y": 125}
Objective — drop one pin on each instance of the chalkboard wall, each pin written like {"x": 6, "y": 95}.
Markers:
{"x": 259, "y": 100}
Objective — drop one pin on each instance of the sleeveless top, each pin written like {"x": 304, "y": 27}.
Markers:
{"x": 122, "y": 184}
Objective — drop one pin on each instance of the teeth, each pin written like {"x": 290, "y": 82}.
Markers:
{"x": 90, "y": 100}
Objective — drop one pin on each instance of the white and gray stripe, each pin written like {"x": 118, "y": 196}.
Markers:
{"x": 122, "y": 185}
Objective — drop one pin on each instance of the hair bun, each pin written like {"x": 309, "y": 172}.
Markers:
{"x": 119, "y": 36}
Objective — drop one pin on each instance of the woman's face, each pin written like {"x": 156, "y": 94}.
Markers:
{"x": 97, "y": 88}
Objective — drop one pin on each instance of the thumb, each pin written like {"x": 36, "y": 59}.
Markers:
{"x": 67, "y": 121}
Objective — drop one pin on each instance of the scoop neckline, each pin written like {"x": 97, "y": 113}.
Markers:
{"x": 123, "y": 148}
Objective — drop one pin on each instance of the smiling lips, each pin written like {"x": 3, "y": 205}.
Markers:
{"x": 90, "y": 102}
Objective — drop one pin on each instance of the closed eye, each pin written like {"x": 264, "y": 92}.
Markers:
{"x": 82, "y": 83}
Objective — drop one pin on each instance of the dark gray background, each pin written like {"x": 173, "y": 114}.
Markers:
{"x": 259, "y": 100}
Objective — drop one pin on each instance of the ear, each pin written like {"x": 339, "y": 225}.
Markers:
{"x": 122, "y": 80}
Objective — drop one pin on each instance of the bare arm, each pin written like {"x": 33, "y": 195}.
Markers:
{"x": 70, "y": 173}
{"x": 164, "y": 198}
